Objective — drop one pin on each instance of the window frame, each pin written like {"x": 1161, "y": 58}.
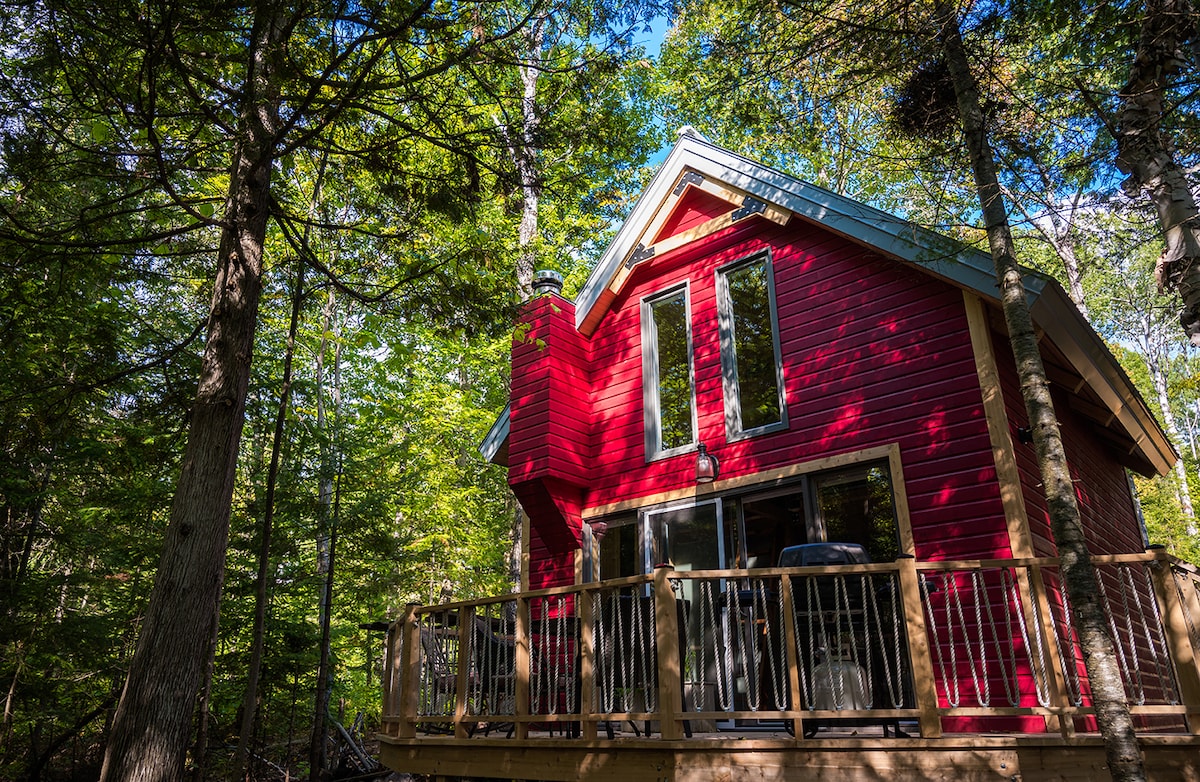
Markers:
{"x": 652, "y": 413}
{"x": 789, "y": 475}
{"x": 731, "y": 387}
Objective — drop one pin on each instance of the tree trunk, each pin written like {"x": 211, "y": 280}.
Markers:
{"x": 154, "y": 718}
{"x": 1079, "y": 577}
{"x": 1184, "y": 494}
{"x": 1147, "y": 154}
{"x": 317, "y": 759}
{"x": 522, "y": 146}
{"x": 1056, "y": 224}
{"x": 329, "y": 501}
{"x": 200, "y": 749}
{"x": 262, "y": 578}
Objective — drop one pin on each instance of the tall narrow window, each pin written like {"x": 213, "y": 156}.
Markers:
{"x": 667, "y": 392}
{"x": 751, "y": 368}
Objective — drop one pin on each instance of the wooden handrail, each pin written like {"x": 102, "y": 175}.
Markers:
{"x": 1171, "y": 579}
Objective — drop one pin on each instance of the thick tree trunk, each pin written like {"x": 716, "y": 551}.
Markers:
{"x": 1079, "y": 577}
{"x": 1146, "y": 153}
{"x": 154, "y": 718}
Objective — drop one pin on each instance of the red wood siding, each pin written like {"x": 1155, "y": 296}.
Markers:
{"x": 1102, "y": 488}
{"x": 549, "y": 430}
{"x": 548, "y": 568}
{"x": 695, "y": 208}
{"x": 874, "y": 353}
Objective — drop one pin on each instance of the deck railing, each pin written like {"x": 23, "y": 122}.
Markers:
{"x": 978, "y": 645}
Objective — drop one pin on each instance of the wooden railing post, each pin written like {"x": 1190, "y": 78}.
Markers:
{"x": 410, "y": 673}
{"x": 670, "y": 679}
{"x": 918, "y": 648}
{"x": 1179, "y": 639}
{"x": 587, "y": 657}
{"x": 793, "y": 653}
{"x": 466, "y": 618}
{"x": 523, "y": 658}
{"x": 393, "y": 660}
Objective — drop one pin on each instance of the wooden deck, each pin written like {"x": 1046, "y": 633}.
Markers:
{"x": 975, "y": 659}
{"x": 841, "y": 757}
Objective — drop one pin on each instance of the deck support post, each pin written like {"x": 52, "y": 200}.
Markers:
{"x": 410, "y": 673}
{"x": 670, "y": 679}
{"x": 587, "y": 657}
{"x": 466, "y": 618}
{"x": 393, "y": 668}
{"x": 1179, "y": 639}
{"x": 522, "y": 661}
{"x": 793, "y": 653}
{"x": 918, "y": 648}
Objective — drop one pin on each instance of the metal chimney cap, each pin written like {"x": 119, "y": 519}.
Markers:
{"x": 547, "y": 281}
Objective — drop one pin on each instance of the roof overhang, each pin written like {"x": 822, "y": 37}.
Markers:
{"x": 1062, "y": 323}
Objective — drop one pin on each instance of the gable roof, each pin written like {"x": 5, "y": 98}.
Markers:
{"x": 695, "y": 162}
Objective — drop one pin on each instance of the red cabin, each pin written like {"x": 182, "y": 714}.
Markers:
{"x": 797, "y": 419}
{"x": 849, "y": 372}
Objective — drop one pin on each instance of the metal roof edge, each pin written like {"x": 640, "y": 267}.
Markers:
{"x": 497, "y": 434}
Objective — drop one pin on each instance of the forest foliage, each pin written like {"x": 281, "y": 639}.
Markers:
{"x": 395, "y": 233}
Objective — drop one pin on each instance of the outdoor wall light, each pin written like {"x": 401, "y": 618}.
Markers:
{"x": 708, "y": 467}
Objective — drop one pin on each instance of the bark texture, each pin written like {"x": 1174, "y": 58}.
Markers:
{"x": 153, "y": 721}
{"x": 522, "y": 146}
{"x": 1146, "y": 152}
{"x": 1079, "y": 577}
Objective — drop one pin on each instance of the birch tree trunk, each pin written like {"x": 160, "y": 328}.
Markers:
{"x": 1147, "y": 154}
{"x": 1057, "y": 227}
{"x": 153, "y": 721}
{"x": 1079, "y": 577}
{"x": 522, "y": 145}
{"x": 1183, "y": 492}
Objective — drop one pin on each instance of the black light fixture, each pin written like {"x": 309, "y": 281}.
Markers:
{"x": 708, "y": 467}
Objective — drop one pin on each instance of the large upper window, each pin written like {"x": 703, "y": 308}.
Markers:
{"x": 668, "y": 396}
{"x": 751, "y": 368}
